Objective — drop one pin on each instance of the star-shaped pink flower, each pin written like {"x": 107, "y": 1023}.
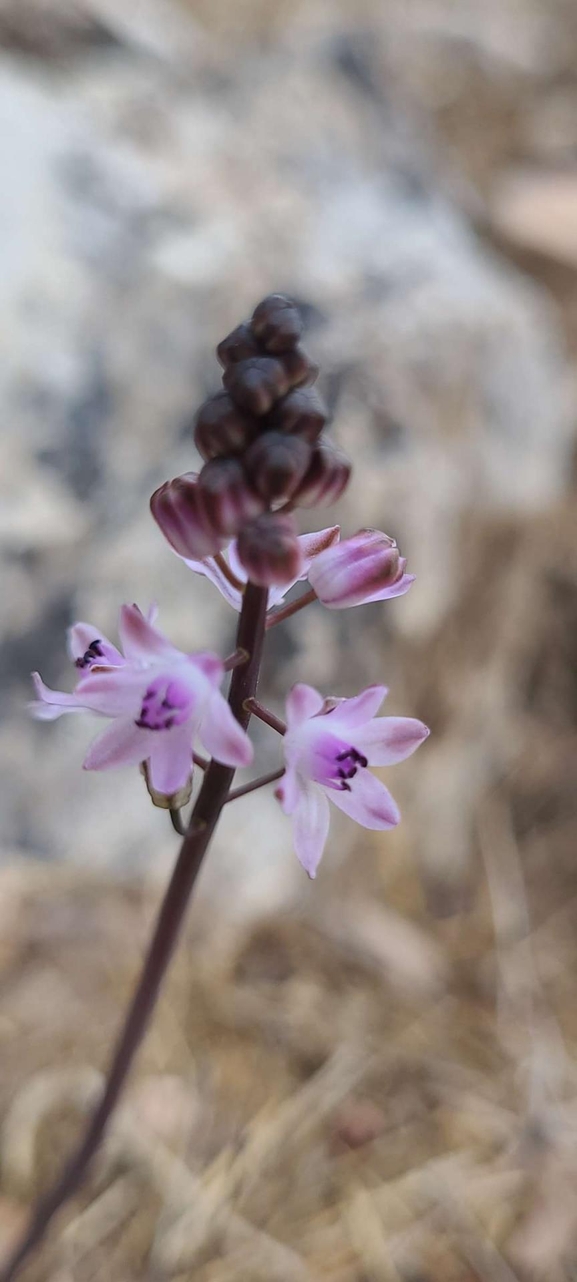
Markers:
{"x": 159, "y": 700}
{"x": 328, "y": 747}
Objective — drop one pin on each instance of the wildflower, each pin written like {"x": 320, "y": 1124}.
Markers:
{"x": 328, "y": 746}
{"x": 364, "y": 568}
{"x": 159, "y": 700}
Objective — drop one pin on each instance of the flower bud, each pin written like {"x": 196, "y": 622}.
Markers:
{"x": 277, "y": 322}
{"x": 225, "y": 498}
{"x": 257, "y": 383}
{"x": 270, "y": 551}
{"x": 301, "y": 413}
{"x": 276, "y": 464}
{"x": 326, "y": 479}
{"x": 238, "y": 346}
{"x": 366, "y": 567}
{"x": 300, "y": 369}
{"x": 176, "y": 509}
{"x": 222, "y": 428}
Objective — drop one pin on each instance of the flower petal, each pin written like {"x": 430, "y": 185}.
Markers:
{"x": 302, "y": 702}
{"x": 121, "y": 744}
{"x": 115, "y": 693}
{"x": 369, "y": 803}
{"x": 310, "y": 827}
{"x": 357, "y": 711}
{"x": 140, "y": 640}
{"x": 386, "y": 594}
{"x": 170, "y": 765}
{"x": 209, "y": 665}
{"x": 81, "y": 636}
{"x": 288, "y": 791}
{"x": 52, "y": 703}
{"x": 222, "y": 736}
{"x": 212, "y": 571}
{"x": 313, "y": 544}
{"x": 386, "y": 740}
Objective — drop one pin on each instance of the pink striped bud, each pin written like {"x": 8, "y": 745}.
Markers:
{"x": 176, "y": 508}
{"x": 326, "y": 479}
{"x": 276, "y": 464}
{"x": 225, "y": 497}
{"x": 270, "y": 551}
{"x": 366, "y": 567}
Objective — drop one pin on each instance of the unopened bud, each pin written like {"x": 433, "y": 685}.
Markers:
{"x": 277, "y": 322}
{"x": 257, "y": 383}
{"x": 366, "y": 567}
{"x": 238, "y": 346}
{"x": 222, "y": 428}
{"x": 225, "y": 497}
{"x": 299, "y": 367}
{"x": 301, "y": 413}
{"x": 176, "y": 509}
{"x": 326, "y": 479}
{"x": 276, "y": 464}
{"x": 270, "y": 551}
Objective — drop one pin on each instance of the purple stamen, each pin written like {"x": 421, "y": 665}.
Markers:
{"x": 91, "y": 655}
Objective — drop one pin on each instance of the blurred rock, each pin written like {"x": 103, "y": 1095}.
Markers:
{"x": 538, "y": 210}
{"x": 157, "y": 191}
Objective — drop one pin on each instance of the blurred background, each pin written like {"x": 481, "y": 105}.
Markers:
{"x": 370, "y": 1078}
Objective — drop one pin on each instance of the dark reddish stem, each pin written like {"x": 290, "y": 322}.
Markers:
{"x": 293, "y": 607}
{"x": 235, "y": 659}
{"x": 211, "y": 798}
{"x": 261, "y": 782}
{"x": 264, "y": 714}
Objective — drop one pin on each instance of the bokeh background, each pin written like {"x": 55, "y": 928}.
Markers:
{"x": 371, "y": 1078}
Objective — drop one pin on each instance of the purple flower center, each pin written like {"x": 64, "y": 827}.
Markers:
{"x": 166, "y": 703}
{"x": 335, "y": 763}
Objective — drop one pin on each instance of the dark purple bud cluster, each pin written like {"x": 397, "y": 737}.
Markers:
{"x": 261, "y": 439}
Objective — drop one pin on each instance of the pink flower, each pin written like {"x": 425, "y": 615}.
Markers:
{"x": 159, "y": 700}
{"x": 229, "y": 576}
{"x": 328, "y": 747}
{"x": 367, "y": 567}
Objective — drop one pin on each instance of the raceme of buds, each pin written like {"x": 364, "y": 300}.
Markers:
{"x": 270, "y": 551}
{"x": 176, "y": 508}
{"x": 238, "y": 346}
{"x": 277, "y": 322}
{"x": 301, "y": 413}
{"x": 225, "y": 497}
{"x": 366, "y": 567}
{"x": 222, "y": 428}
{"x": 276, "y": 464}
{"x": 326, "y": 479}
{"x": 256, "y": 384}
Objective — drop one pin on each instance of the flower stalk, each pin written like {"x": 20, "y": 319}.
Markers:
{"x": 211, "y": 799}
{"x": 265, "y": 456}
